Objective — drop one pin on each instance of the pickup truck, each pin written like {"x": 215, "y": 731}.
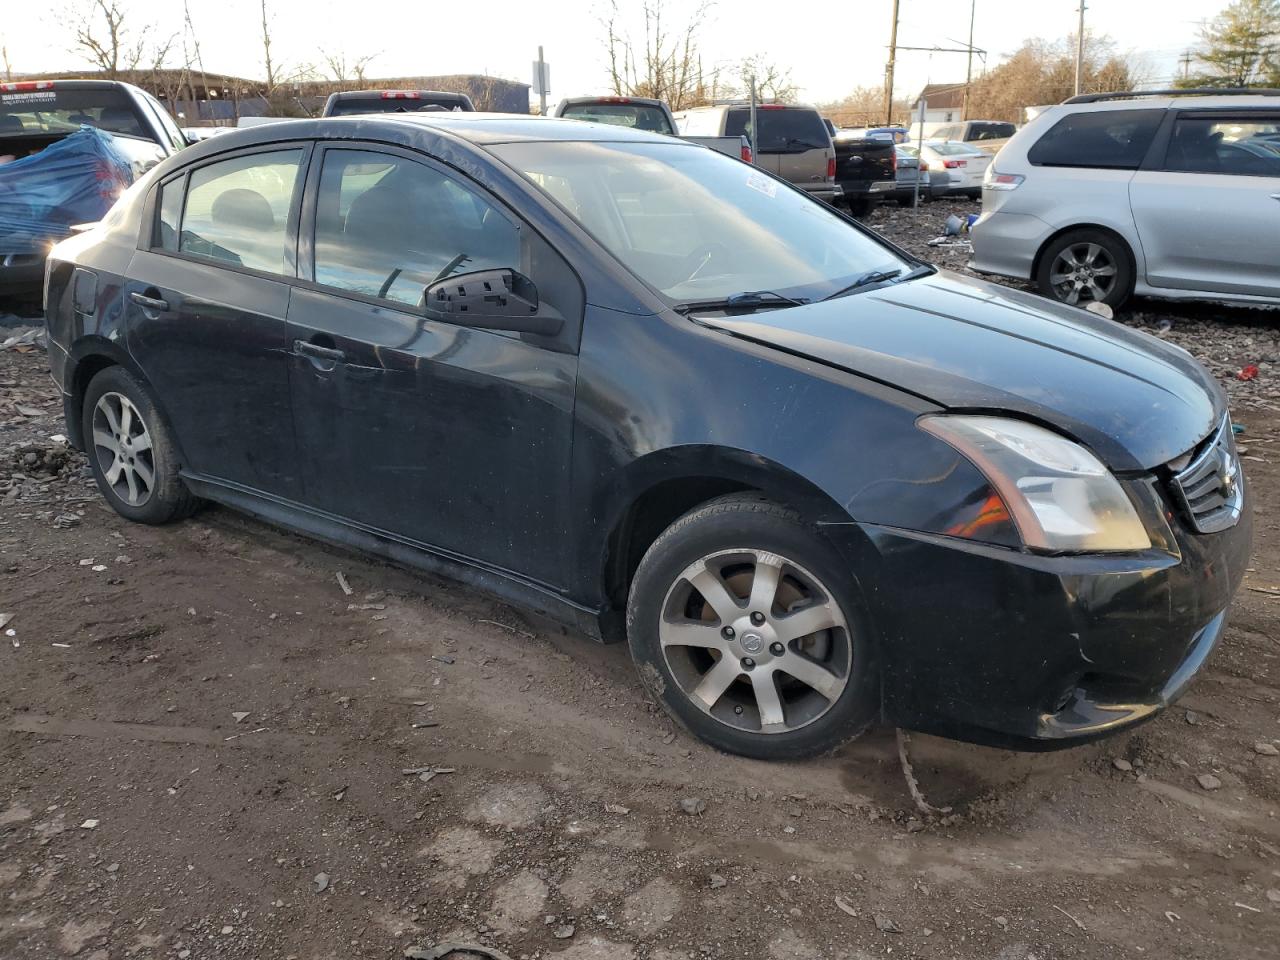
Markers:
{"x": 866, "y": 170}
{"x": 345, "y": 103}
{"x": 644, "y": 113}
{"x": 35, "y": 114}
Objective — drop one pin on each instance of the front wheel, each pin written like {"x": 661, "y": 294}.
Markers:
{"x": 1086, "y": 266}
{"x": 749, "y": 629}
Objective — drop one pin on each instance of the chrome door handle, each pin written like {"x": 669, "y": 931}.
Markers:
{"x": 149, "y": 303}
{"x": 314, "y": 350}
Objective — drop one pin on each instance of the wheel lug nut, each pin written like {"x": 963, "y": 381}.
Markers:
{"x": 738, "y": 709}
{"x": 777, "y": 649}
{"x": 757, "y": 618}
{"x": 727, "y": 633}
{"x": 748, "y": 663}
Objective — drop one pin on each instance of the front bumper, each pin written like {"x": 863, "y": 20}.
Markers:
{"x": 1032, "y": 652}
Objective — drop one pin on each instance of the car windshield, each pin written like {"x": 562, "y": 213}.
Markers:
{"x": 639, "y": 116}
{"x": 990, "y": 131}
{"x": 64, "y": 111}
{"x": 697, "y": 225}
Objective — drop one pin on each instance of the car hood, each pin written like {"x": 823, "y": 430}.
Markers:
{"x": 966, "y": 344}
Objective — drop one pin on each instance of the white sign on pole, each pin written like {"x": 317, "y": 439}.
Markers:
{"x": 541, "y": 77}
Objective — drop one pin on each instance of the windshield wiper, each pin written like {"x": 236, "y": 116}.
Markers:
{"x": 748, "y": 299}
{"x": 881, "y": 276}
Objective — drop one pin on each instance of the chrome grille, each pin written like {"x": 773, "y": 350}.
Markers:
{"x": 1210, "y": 489}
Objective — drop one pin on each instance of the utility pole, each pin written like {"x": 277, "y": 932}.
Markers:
{"x": 968, "y": 73}
{"x": 1080, "y": 50}
{"x": 888, "y": 71}
{"x": 542, "y": 82}
{"x": 1186, "y": 65}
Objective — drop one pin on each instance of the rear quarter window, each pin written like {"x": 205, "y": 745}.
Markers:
{"x": 1105, "y": 139}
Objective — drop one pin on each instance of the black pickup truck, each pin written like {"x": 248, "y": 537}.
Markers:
{"x": 866, "y": 171}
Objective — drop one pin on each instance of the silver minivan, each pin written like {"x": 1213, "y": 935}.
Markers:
{"x": 1172, "y": 194}
{"x": 793, "y": 142}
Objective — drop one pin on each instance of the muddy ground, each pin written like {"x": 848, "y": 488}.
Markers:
{"x": 203, "y": 743}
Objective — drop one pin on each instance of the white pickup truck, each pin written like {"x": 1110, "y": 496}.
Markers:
{"x": 643, "y": 113}
{"x": 36, "y": 114}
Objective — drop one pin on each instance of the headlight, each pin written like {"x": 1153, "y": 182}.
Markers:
{"x": 1060, "y": 496}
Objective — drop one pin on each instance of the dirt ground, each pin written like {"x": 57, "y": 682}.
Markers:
{"x": 208, "y": 750}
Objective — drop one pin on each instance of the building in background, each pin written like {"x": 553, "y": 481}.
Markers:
{"x": 199, "y": 98}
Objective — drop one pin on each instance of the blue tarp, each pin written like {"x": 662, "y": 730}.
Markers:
{"x": 42, "y": 196}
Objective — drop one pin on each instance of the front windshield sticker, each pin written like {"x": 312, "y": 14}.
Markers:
{"x": 758, "y": 181}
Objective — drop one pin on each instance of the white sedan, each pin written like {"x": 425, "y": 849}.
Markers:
{"x": 965, "y": 163}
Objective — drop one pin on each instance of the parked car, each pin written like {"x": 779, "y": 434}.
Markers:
{"x": 935, "y": 182}
{"x": 643, "y": 113}
{"x": 793, "y": 141}
{"x": 866, "y": 173}
{"x": 1163, "y": 194}
{"x": 974, "y": 131}
{"x": 961, "y": 166}
{"x": 35, "y": 114}
{"x": 912, "y": 180}
{"x": 347, "y": 102}
{"x": 632, "y": 383}
{"x": 196, "y": 134}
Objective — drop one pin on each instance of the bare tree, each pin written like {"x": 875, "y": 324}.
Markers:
{"x": 4, "y": 58}
{"x": 773, "y": 82}
{"x": 665, "y": 62}
{"x": 341, "y": 71}
{"x": 102, "y": 37}
{"x": 864, "y": 107}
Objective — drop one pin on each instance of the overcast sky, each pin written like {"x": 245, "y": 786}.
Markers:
{"x": 829, "y": 48}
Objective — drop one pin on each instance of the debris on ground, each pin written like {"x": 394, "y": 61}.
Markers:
{"x": 1208, "y": 781}
{"x": 320, "y": 883}
{"x": 444, "y": 949}
{"x": 693, "y": 806}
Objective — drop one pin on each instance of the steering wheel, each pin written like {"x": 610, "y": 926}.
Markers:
{"x": 703, "y": 256}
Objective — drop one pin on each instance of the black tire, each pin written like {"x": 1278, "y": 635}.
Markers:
{"x": 168, "y": 498}
{"x": 1114, "y": 252}
{"x": 860, "y": 207}
{"x": 725, "y": 527}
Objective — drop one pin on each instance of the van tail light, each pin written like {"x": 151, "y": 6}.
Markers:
{"x": 1001, "y": 181}
{"x": 747, "y": 156}
{"x": 831, "y": 168}
{"x": 26, "y": 86}
{"x": 401, "y": 95}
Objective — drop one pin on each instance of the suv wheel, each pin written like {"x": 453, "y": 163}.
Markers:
{"x": 748, "y": 628}
{"x": 1086, "y": 266}
{"x": 131, "y": 450}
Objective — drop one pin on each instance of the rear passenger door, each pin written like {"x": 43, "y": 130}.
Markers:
{"x": 206, "y": 321}
{"x": 1208, "y": 213}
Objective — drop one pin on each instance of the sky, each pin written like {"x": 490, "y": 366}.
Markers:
{"x": 828, "y": 50}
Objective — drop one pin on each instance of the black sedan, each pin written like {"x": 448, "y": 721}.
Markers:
{"x": 664, "y": 397}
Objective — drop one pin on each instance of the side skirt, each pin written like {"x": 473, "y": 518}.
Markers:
{"x": 410, "y": 553}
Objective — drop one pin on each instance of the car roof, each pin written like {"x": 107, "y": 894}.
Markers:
{"x": 612, "y": 98}
{"x": 481, "y": 129}
{"x": 1260, "y": 101}
{"x": 25, "y": 85}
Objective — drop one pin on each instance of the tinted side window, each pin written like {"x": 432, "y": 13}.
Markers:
{"x": 781, "y": 131}
{"x": 389, "y": 227}
{"x": 1239, "y": 146}
{"x": 1107, "y": 139}
{"x": 238, "y": 210}
{"x": 170, "y": 207}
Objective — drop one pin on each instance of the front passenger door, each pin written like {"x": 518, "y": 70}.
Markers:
{"x": 1209, "y": 218}
{"x": 445, "y": 435}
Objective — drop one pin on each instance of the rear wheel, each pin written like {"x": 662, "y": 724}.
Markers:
{"x": 1086, "y": 266}
{"x": 131, "y": 450}
{"x": 748, "y": 628}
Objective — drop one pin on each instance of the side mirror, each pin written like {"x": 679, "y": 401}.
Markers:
{"x": 492, "y": 300}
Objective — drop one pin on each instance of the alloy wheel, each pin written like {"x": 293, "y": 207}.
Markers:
{"x": 755, "y": 641}
{"x": 122, "y": 444}
{"x": 1083, "y": 271}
